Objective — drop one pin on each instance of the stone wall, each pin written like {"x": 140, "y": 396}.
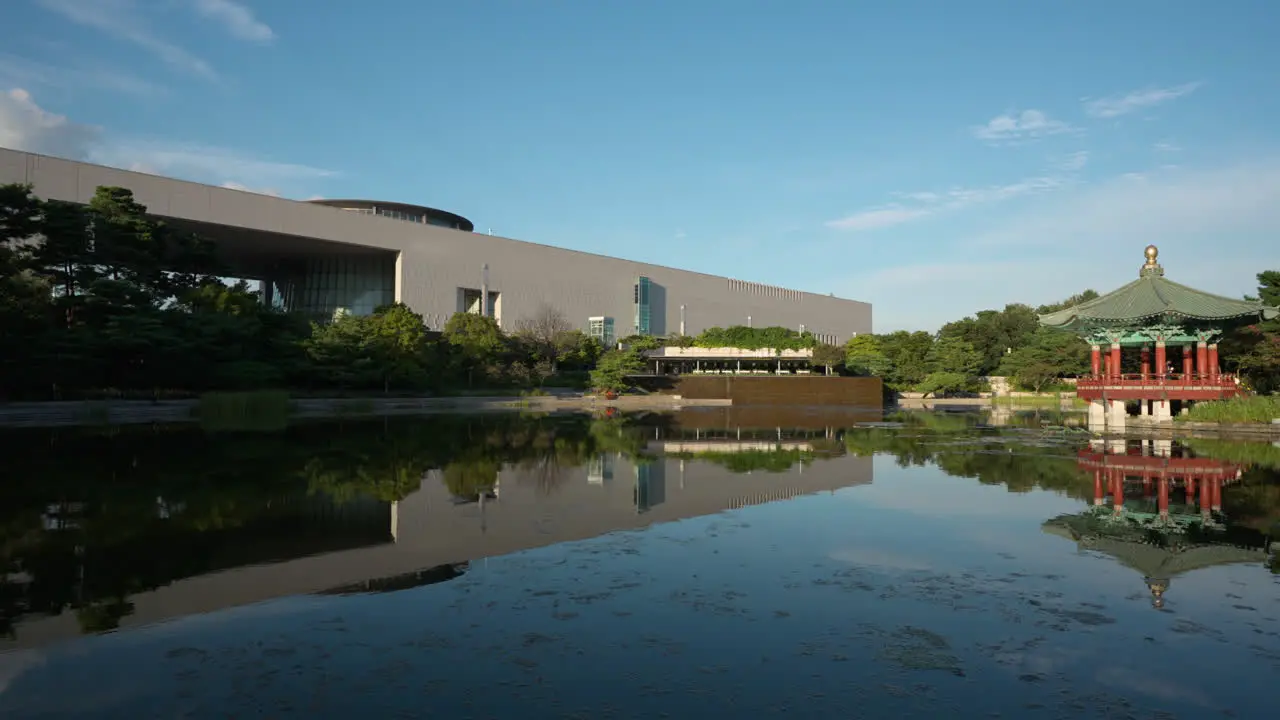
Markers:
{"x": 781, "y": 390}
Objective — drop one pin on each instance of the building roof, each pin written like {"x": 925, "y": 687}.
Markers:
{"x": 407, "y": 208}
{"x": 1154, "y": 298}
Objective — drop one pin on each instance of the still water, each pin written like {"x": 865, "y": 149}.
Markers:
{"x": 638, "y": 567}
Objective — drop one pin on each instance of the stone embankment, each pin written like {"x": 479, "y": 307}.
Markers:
{"x": 1235, "y": 431}
{"x": 132, "y": 412}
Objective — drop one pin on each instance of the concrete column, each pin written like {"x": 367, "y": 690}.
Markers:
{"x": 1163, "y": 448}
{"x": 1117, "y": 417}
{"x": 1097, "y": 416}
{"x": 1162, "y": 412}
{"x": 1117, "y": 447}
{"x": 1095, "y": 358}
{"x": 1161, "y": 360}
{"x": 1202, "y": 359}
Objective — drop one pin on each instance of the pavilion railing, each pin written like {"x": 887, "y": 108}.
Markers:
{"x": 1221, "y": 380}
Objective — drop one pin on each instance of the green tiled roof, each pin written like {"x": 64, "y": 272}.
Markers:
{"x": 1152, "y": 297}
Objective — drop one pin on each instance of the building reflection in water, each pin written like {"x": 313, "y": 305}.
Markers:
{"x": 1157, "y": 509}
{"x": 696, "y": 464}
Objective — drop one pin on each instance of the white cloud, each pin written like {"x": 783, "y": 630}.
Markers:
{"x": 238, "y": 19}
{"x": 1092, "y": 237}
{"x": 25, "y": 73}
{"x": 24, "y": 125}
{"x": 1075, "y": 161}
{"x": 881, "y": 217}
{"x": 1021, "y": 126}
{"x": 1125, "y": 103}
{"x": 923, "y": 204}
{"x": 244, "y": 188}
{"x": 1165, "y": 146}
{"x": 119, "y": 19}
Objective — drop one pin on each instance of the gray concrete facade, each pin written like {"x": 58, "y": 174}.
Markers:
{"x": 435, "y": 267}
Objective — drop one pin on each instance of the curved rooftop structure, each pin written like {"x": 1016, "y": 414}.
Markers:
{"x": 402, "y": 211}
{"x": 1154, "y": 298}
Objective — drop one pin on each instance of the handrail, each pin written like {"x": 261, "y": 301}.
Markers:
{"x": 1221, "y": 379}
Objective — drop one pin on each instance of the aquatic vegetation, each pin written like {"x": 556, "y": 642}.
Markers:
{"x": 1238, "y": 410}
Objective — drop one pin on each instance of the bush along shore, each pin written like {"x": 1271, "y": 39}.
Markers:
{"x": 1246, "y": 410}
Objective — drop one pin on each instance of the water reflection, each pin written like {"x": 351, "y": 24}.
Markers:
{"x": 153, "y": 525}
{"x": 393, "y": 550}
{"x": 1144, "y": 526}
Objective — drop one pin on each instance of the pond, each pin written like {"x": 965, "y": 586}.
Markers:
{"x": 713, "y": 563}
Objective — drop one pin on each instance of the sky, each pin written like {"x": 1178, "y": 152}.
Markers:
{"x": 934, "y": 158}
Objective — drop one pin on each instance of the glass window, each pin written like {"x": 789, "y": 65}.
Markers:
{"x": 601, "y": 328}
{"x": 643, "y": 318}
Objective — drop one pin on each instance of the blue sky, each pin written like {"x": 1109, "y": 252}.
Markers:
{"x": 935, "y": 158}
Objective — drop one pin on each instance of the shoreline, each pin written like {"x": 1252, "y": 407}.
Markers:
{"x": 89, "y": 413}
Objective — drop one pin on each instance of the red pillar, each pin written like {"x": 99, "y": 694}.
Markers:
{"x": 1161, "y": 361}
{"x": 1115, "y": 360}
{"x": 1095, "y": 360}
{"x": 1098, "y": 494}
{"x": 1146, "y": 362}
{"x": 1202, "y": 359}
{"x": 1190, "y": 488}
{"x": 1164, "y": 497}
{"x": 1117, "y": 489}
{"x": 1217, "y": 494}
{"x": 1213, "y": 361}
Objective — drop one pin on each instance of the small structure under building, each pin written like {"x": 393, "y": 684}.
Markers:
{"x": 1174, "y": 329}
{"x": 728, "y": 361}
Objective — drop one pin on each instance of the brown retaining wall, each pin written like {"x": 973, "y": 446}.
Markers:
{"x": 781, "y": 390}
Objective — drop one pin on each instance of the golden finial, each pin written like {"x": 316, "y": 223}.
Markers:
{"x": 1152, "y": 252}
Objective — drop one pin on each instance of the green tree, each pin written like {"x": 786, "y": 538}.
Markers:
{"x": 1047, "y": 356}
{"x": 477, "y": 340}
{"x": 953, "y": 355}
{"x": 864, "y": 357}
{"x": 907, "y": 354}
{"x": 828, "y": 356}
{"x": 613, "y": 369}
{"x": 993, "y": 333}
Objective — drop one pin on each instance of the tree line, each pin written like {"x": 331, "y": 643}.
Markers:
{"x": 1012, "y": 343}
{"x": 105, "y": 300}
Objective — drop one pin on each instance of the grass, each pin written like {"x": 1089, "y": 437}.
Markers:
{"x": 1239, "y": 410}
{"x": 1038, "y": 401}
{"x": 258, "y": 410}
{"x": 1258, "y": 454}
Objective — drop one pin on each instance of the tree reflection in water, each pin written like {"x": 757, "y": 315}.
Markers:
{"x": 91, "y": 517}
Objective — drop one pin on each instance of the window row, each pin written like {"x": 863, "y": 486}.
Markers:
{"x": 770, "y": 291}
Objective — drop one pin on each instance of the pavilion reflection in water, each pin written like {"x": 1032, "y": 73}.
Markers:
{"x": 1157, "y": 509}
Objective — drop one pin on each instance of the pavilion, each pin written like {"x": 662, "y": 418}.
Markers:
{"x": 1150, "y": 314}
{"x": 1164, "y": 518}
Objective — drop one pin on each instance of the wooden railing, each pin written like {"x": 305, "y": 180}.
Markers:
{"x": 1222, "y": 380}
